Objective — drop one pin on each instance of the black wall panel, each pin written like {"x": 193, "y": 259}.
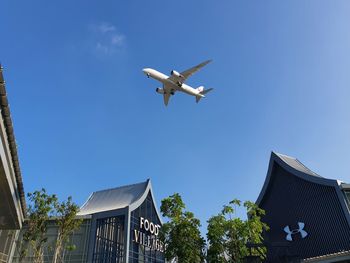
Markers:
{"x": 290, "y": 199}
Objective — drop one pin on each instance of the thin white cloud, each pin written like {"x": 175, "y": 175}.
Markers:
{"x": 117, "y": 40}
{"x": 107, "y": 39}
{"x": 102, "y": 48}
{"x": 105, "y": 27}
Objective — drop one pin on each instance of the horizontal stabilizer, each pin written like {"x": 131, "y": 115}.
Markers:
{"x": 206, "y": 91}
{"x": 202, "y": 92}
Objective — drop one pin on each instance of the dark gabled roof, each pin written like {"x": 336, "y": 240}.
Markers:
{"x": 295, "y": 167}
{"x": 6, "y": 116}
{"x": 131, "y": 196}
{"x": 291, "y": 194}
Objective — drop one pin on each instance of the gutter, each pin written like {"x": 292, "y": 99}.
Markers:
{"x": 6, "y": 116}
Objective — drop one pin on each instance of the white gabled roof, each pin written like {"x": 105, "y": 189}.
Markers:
{"x": 112, "y": 199}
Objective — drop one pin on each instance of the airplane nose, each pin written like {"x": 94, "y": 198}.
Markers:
{"x": 146, "y": 71}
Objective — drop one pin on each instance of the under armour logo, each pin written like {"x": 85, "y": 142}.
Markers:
{"x": 300, "y": 230}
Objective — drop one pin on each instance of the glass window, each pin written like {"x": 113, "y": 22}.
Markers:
{"x": 109, "y": 242}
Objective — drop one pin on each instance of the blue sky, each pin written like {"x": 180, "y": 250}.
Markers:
{"x": 86, "y": 118}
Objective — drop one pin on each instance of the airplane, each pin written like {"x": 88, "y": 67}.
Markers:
{"x": 176, "y": 82}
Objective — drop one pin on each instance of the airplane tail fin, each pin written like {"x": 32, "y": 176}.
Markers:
{"x": 202, "y": 92}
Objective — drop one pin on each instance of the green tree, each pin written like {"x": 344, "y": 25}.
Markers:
{"x": 43, "y": 208}
{"x": 67, "y": 222}
{"x": 181, "y": 234}
{"x": 228, "y": 234}
{"x": 39, "y": 210}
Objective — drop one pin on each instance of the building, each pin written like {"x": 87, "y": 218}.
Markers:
{"x": 308, "y": 214}
{"x": 12, "y": 200}
{"x": 119, "y": 225}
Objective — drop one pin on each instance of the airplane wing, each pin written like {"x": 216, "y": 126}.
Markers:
{"x": 166, "y": 97}
{"x": 167, "y": 93}
{"x": 188, "y": 73}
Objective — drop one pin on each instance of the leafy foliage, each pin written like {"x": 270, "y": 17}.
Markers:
{"x": 228, "y": 235}
{"x": 42, "y": 208}
{"x": 181, "y": 234}
{"x": 67, "y": 222}
{"x": 41, "y": 205}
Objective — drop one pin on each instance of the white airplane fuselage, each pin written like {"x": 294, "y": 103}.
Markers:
{"x": 169, "y": 83}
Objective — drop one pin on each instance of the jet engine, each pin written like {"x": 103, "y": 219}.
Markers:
{"x": 177, "y": 74}
{"x": 160, "y": 90}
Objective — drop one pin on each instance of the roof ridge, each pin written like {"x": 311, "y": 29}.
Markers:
{"x": 119, "y": 187}
{"x": 307, "y": 168}
{"x": 284, "y": 155}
